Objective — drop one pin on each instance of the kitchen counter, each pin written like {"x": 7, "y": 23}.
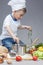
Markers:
{"x": 25, "y": 62}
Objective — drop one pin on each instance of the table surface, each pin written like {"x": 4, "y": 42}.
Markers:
{"x": 24, "y": 62}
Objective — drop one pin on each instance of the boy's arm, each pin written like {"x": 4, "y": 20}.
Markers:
{"x": 12, "y": 34}
{"x": 25, "y": 27}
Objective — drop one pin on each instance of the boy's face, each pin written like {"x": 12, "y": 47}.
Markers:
{"x": 18, "y": 14}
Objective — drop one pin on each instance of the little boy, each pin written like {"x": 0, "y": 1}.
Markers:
{"x": 12, "y": 23}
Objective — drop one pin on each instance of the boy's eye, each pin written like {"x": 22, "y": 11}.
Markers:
{"x": 21, "y": 15}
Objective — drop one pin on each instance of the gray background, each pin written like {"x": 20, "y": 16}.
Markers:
{"x": 33, "y": 17}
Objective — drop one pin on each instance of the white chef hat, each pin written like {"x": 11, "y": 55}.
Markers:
{"x": 17, "y": 4}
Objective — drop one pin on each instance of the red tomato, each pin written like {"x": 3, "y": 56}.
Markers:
{"x": 18, "y": 58}
{"x": 35, "y": 58}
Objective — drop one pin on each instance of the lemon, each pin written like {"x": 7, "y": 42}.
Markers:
{"x": 40, "y": 48}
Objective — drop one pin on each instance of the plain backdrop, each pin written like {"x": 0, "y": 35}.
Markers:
{"x": 33, "y": 17}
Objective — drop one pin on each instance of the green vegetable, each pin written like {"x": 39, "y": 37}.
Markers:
{"x": 40, "y": 58}
{"x": 38, "y": 53}
{"x": 35, "y": 53}
{"x": 40, "y": 44}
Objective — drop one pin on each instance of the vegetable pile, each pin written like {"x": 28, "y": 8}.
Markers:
{"x": 39, "y": 51}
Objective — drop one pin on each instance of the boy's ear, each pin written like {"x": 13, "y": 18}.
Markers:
{"x": 14, "y": 11}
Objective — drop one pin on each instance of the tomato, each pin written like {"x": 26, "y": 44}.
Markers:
{"x": 18, "y": 58}
{"x": 35, "y": 58}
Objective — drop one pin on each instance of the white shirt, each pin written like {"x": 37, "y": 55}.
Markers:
{"x": 13, "y": 25}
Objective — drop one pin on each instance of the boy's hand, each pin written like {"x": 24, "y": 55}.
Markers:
{"x": 4, "y": 55}
{"x": 16, "y": 39}
{"x": 28, "y": 28}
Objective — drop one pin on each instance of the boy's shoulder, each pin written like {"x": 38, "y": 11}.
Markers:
{"x": 8, "y": 16}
